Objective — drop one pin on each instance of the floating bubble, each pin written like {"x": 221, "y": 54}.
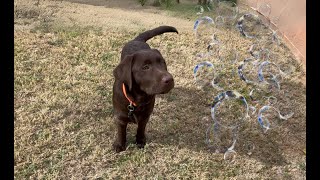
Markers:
{"x": 225, "y": 67}
{"x": 259, "y": 52}
{"x": 250, "y": 25}
{"x": 270, "y": 117}
{"x": 228, "y": 10}
{"x": 264, "y": 54}
{"x": 203, "y": 73}
{"x": 204, "y": 29}
{"x": 256, "y": 95}
{"x": 228, "y": 55}
{"x": 248, "y": 69}
{"x": 229, "y": 109}
{"x": 222, "y": 78}
{"x": 271, "y": 100}
{"x": 214, "y": 48}
{"x": 227, "y": 14}
{"x": 252, "y": 109}
{"x": 264, "y": 73}
{"x": 230, "y": 156}
{"x": 211, "y": 49}
{"x": 215, "y": 85}
{"x": 270, "y": 73}
{"x": 254, "y": 51}
{"x": 219, "y": 22}
{"x": 219, "y": 138}
{"x": 202, "y": 20}
{"x": 212, "y": 4}
{"x": 199, "y": 9}
{"x": 212, "y": 139}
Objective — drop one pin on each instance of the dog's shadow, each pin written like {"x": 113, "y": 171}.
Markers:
{"x": 182, "y": 117}
{"x": 176, "y": 119}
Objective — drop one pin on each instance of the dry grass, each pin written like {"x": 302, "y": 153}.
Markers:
{"x": 63, "y": 112}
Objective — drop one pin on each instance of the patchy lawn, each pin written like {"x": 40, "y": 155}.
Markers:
{"x": 63, "y": 110}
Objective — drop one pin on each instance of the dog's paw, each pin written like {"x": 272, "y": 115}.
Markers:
{"x": 141, "y": 145}
{"x": 141, "y": 142}
{"x": 118, "y": 147}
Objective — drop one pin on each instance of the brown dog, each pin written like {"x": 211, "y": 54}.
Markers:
{"x": 141, "y": 74}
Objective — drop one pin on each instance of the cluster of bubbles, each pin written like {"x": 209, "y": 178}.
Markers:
{"x": 230, "y": 109}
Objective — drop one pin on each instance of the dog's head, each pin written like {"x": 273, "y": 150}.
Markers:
{"x": 146, "y": 69}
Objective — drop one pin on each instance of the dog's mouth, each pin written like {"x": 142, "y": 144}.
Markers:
{"x": 160, "y": 89}
{"x": 167, "y": 89}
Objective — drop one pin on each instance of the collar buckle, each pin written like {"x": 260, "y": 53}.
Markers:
{"x": 131, "y": 109}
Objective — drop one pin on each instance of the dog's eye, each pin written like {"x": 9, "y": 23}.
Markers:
{"x": 145, "y": 67}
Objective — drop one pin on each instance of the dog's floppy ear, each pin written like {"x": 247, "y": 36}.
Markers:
{"x": 123, "y": 71}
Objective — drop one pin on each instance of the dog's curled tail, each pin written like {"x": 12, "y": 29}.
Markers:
{"x": 145, "y": 36}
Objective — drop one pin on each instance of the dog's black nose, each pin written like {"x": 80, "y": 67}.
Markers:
{"x": 167, "y": 79}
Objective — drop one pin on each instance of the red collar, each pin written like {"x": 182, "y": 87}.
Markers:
{"x": 125, "y": 94}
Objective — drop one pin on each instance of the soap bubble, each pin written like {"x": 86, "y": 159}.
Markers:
{"x": 229, "y": 109}
{"x": 204, "y": 29}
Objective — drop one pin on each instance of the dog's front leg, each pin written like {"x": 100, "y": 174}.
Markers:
{"x": 141, "y": 137}
{"x": 120, "y": 141}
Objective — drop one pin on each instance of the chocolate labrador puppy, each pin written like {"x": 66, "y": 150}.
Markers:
{"x": 141, "y": 74}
